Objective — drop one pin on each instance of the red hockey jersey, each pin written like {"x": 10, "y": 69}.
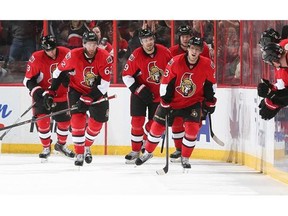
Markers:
{"x": 87, "y": 72}
{"x": 189, "y": 80}
{"x": 147, "y": 69}
{"x": 41, "y": 66}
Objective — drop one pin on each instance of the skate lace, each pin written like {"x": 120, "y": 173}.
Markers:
{"x": 133, "y": 154}
{"x": 145, "y": 156}
{"x": 66, "y": 149}
{"x": 185, "y": 161}
{"x": 80, "y": 157}
{"x": 46, "y": 150}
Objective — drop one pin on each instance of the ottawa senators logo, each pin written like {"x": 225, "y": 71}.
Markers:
{"x": 187, "y": 87}
{"x": 155, "y": 73}
{"x": 89, "y": 77}
{"x": 51, "y": 70}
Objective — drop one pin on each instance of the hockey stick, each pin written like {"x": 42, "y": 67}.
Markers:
{"x": 214, "y": 137}
{"x": 24, "y": 113}
{"x": 165, "y": 169}
{"x": 33, "y": 120}
{"x": 162, "y": 145}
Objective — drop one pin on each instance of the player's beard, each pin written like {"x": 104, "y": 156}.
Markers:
{"x": 149, "y": 49}
{"x": 90, "y": 54}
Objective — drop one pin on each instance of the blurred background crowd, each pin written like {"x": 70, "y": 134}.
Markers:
{"x": 233, "y": 44}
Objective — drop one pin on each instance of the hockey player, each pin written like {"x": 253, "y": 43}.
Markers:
{"x": 89, "y": 82}
{"x": 37, "y": 79}
{"x": 187, "y": 87}
{"x": 275, "y": 95}
{"x": 142, "y": 75}
{"x": 184, "y": 33}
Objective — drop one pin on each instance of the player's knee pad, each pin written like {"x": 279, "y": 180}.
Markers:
{"x": 43, "y": 124}
{"x": 148, "y": 126}
{"x": 94, "y": 126}
{"x": 78, "y": 124}
{"x": 78, "y": 120}
{"x": 157, "y": 129}
{"x": 63, "y": 130}
{"x": 137, "y": 122}
{"x": 177, "y": 125}
{"x": 191, "y": 130}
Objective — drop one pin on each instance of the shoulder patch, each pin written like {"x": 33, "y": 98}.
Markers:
{"x": 171, "y": 62}
{"x": 68, "y": 55}
{"x": 109, "y": 60}
{"x": 131, "y": 57}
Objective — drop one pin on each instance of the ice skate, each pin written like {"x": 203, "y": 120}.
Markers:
{"x": 79, "y": 160}
{"x": 175, "y": 156}
{"x": 185, "y": 164}
{"x": 88, "y": 155}
{"x": 45, "y": 154}
{"x": 64, "y": 150}
{"x": 131, "y": 157}
{"x": 143, "y": 158}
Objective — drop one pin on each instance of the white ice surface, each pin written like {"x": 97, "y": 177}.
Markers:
{"x": 110, "y": 186}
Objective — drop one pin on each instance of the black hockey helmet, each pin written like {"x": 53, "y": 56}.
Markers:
{"x": 272, "y": 52}
{"x": 184, "y": 30}
{"x": 268, "y": 36}
{"x": 48, "y": 42}
{"x": 145, "y": 33}
{"x": 196, "y": 41}
{"x": 89, "y": 36}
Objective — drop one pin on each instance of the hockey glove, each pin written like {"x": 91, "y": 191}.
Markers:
{"x": 144, "y": 94}
{"x": 264, "y": 88}
{"x": 36, "y": 93}
{"x": 83, "y": 103}
{"x": 48, "y": 99}
{"x": 209, "y": 106}
{"x": 161, "y": 113}
{"x": 268, "y": 110}
{"x": 64, "y": 78}
{"x": 208, "y": 90}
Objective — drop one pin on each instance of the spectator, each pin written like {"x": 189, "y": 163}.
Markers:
{"x": 103, "y": 41}
{"x": 134, "y": 41}
{"x": 23, "y": 44}
{"x": 160, "y": 29}
{"x": 75, "y": 32}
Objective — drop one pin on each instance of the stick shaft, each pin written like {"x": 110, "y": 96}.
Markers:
{"x": 24, "y": 113}
{"x": 53, "y": 114}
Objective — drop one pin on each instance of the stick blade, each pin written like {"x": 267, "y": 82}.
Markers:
{"x": 160, "y": 172}
{"x": 217, "y": 140}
